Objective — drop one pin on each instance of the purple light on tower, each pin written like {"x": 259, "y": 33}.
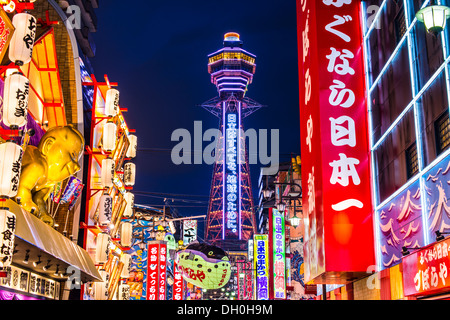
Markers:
{"x": 231, "y": 219}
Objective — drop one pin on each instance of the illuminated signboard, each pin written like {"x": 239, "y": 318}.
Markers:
{"x": 261, "y": 266}
{"x": 279, "y": 254}
{"x": 335, "y": 147}
{"x": 231, "y": 186}
{"x": 427, "y": 271}
{"x": 178, "y": 285}
{"x": 156, "y": 274}
{"x": 189, "y": 231}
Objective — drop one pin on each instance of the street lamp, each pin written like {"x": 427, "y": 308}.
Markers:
{"x": 295, "y": 221}
{"x": 434, "y": 17}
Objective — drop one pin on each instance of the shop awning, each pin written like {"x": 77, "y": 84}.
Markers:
{"x": 54, "y": 248}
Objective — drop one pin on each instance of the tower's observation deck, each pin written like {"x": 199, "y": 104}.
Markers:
{"x": 231, "y": 67}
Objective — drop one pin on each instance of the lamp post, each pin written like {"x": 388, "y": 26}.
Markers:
{"x": 434, "y": 17}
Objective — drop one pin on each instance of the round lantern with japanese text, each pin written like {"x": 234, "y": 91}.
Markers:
{"x": 109, "y": 136}
{"x": 129, "y": 174}
{"x": 101, "y": 287}
{"x": 126, "y": 232}
{"x": 10, "y": 167}
{"x": 7, "y": 232}
{"x": 123, "y": 292}
{"x": 129, "y": 198}
{"x": 102, "y": 248}
{"x": 126, "y": 260}
{"x": 132, "y": 148}
{"x": 105, "y": 210}
{"x": 112, "y": 102}
{"x": 15, "y": 100}
{"x": 22, "y": 41}
{"x": 108, "y": 169}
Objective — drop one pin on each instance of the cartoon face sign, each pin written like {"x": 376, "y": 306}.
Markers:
{"x": 208, "y": 269}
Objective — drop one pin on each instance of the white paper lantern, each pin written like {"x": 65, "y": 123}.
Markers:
{"x": 123, "y": 292}
{"x": 7, "y": 232}
{"x": 22, "y": 41}
{"x": 129, "y": 174}
{"x": 112, "y": 102}
{"x": 102, "y": 248}
{"x": 132, "y": 148}
{"x": 10, "y": 167}
{"x": 108, "y": 169}
{"x": 129, "y": 198}
{"x": 126, "y": 232}
{"x": 15, "y": 100}
{"x": 101, "y": 287}
{"x": 105, "y": 210}
{"x": 109, "y": 136}
{"x": 126, "y": 260}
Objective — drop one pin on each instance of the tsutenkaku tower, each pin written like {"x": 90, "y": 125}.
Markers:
{"x": 231, "y": 218}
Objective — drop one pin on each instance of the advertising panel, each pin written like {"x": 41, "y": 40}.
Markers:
{"x": 156, "y": 273}
{"x": 335, "y": 156}
{"x": 426, "y": 271}
{"x": 279, "y": 254}
{"x": 231, "y": 171}
{"x": 261, "y": 265}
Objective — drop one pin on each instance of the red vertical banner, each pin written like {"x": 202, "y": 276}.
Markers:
{"x": 177, "y": 287}
{"x": 156, "y": 273}
{"x": 334, "y": 141}
{"x": 162, "y": 287}
{"x": 152, "y": 272}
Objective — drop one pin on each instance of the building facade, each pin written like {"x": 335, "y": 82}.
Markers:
{"x": 407, "y": 108}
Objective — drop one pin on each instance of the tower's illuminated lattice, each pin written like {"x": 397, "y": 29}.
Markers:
{"x": 231, "y": 219}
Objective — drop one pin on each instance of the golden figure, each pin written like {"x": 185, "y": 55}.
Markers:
{"x": 55, "y": 159}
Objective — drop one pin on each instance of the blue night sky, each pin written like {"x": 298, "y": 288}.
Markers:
{"x": 157, "y": 52}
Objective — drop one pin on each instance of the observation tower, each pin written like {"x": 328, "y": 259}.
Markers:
{"x": 231, "y": 219}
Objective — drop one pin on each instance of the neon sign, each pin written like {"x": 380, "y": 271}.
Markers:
{"x": 279, "y": 255}
{"x": 231, "y": 174}
{"x": 261, "y": 266}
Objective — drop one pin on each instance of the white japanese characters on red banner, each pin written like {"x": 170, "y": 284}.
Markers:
{"x": 335, "y": 156}
{"x": 427, "y": 270}
{"x": 178, "y": 285}
{"x": 156, "y": 274}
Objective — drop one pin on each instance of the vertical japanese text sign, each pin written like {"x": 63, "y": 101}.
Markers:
{"x": 279, "y": 254}
{"x": 156, "y": 275}
{"x": 178, "y": 285}
{"x": 334, "y": 139}
{"x": 261, "y": 266}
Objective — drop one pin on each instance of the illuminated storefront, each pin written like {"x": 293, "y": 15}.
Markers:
{"x": 407, "y": 89}
{"x": 39, "y": 48}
